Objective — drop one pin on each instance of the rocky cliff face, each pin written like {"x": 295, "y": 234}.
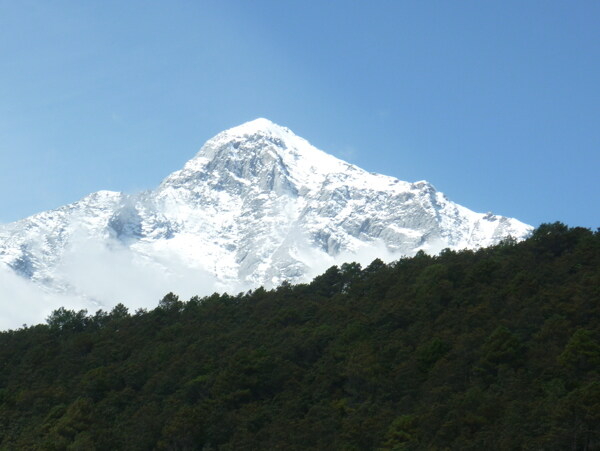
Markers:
{"x": 256, "y": 206}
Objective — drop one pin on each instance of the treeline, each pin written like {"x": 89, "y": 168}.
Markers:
{"x": 491, "y": 349}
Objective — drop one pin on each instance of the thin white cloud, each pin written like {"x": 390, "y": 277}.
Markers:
{"x": 113, "y": 273}
{"x": 99, "y": 276}
{"x": 23, "y": 302}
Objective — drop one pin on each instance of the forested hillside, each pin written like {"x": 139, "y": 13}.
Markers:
{"x": 491, "y": 349}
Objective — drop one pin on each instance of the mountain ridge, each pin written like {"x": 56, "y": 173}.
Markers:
{"x": 257, "y": 205}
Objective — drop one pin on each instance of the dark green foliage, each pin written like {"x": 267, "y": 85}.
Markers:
{"x": 491, "y": 349}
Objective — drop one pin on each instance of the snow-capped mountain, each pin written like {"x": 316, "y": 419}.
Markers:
{"x": 256, "y": 206}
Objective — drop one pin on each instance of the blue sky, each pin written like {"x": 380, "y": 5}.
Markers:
{"x": 495, "y": 103}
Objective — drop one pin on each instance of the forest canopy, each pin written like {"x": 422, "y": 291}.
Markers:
{"x": 496, "y": 348}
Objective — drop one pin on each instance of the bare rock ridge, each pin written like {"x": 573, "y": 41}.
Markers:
{"x": 256, "y": 206}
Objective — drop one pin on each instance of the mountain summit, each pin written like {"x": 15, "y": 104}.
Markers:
{"x": 256, "y": 206}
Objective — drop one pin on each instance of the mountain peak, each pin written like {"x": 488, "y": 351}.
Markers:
{"x": 259, "y": 125}
{"x": 262, "y": 132}
{"x": 261, "y": 148}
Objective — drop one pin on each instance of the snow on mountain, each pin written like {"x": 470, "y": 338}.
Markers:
{"x": 256, "y": 206}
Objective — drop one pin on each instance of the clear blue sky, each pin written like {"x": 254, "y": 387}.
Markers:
{"x": 495, "y": 103}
